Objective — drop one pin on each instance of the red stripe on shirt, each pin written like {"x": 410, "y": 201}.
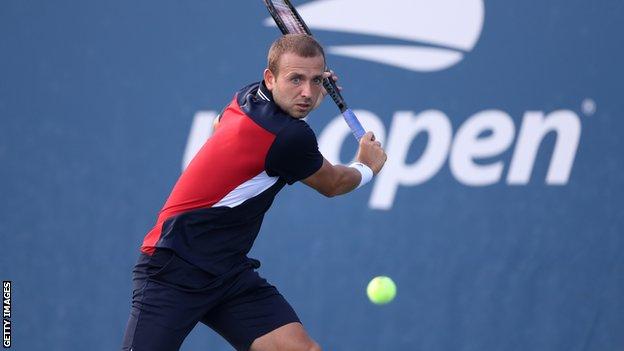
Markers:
{"x": 234, "y": 154}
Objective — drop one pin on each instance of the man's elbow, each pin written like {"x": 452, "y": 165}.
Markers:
{"x": 331, "y": 192}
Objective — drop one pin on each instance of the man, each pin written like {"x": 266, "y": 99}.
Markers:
{"x": 193, "y": 265}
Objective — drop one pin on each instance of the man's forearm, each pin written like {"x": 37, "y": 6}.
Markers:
{"x": 347, "y": 180}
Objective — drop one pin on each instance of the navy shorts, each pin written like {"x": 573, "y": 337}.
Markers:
{"x": 170, "y": 296}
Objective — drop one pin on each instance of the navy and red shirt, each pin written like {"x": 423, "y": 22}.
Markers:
{"x": 215, "y": 210}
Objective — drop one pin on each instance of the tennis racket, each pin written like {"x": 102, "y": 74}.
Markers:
{"x": 289, "y": 21}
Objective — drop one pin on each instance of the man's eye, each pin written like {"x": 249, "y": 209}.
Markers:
{"x": 318, "y": 81}
{"x": 296, "y": 80}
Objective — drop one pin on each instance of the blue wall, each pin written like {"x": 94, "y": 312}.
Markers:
{"x": 490, "y": 249}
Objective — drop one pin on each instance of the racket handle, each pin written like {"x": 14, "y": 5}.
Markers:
{"x": 352, "y": 121}
{"x": 354, "y": 124}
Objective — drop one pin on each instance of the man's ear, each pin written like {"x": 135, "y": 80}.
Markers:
{"x": 269, "y": 79}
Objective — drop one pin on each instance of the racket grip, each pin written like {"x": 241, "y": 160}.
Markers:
{"x": 354, "y": 124}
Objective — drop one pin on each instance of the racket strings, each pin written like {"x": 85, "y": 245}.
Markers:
{"x": 289, "y": 18}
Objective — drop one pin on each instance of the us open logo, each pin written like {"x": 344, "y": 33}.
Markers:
{"x": 433, "y": 35}
{"x": 429, "y": 36}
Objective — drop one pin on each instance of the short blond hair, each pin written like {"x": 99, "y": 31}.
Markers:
{"x": 300, "y": 44}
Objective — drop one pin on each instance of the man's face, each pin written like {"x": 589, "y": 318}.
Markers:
{"x": 297, "y": 86}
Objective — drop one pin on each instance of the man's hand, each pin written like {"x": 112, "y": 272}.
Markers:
{"x": 215, "y": 123}
{"x": 370, "y": 153}
{"x": 334, "y": 77}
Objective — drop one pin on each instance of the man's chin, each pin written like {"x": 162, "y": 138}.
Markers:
{"x": 299, "y": 114}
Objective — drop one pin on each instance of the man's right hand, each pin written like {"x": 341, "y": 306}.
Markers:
{"x": 370, "y": 153}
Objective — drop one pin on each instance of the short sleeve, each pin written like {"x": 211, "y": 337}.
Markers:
{"x": 294, "y": 154}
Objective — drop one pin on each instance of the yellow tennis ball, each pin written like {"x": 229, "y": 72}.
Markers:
{"x": 381, "y": 290}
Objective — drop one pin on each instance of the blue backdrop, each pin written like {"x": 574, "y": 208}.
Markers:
{"x": 499, "y": 215}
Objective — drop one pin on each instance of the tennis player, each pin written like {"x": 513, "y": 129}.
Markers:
{"x": 193, "y": 265}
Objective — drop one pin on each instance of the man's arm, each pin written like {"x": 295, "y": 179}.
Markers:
{"x": 331, "y": 180}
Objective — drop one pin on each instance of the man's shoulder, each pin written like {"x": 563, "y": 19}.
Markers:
{"x": 249, "y": 89}
{"x": 294, "y": 154}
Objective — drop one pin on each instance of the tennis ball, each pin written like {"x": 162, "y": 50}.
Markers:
{"x": 381, "y": 290}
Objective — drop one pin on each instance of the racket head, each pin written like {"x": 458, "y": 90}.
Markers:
{"x": 289, "y": 21}
{"x": 286, "y": 17}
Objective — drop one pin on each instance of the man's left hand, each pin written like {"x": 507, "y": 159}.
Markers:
{"x": 334, "y": 77}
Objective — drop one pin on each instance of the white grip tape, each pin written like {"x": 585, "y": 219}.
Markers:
{"x": 365, "y": 171}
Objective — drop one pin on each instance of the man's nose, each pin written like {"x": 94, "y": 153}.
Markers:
{"x": 306, "y": 90}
